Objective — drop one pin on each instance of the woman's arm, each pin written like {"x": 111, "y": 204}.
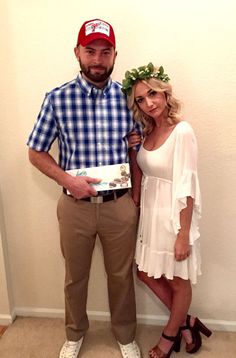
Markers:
{"x": 182, "y": 247}
{"x": 136, "y": 176}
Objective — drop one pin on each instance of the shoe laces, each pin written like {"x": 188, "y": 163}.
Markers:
{"x": 130, "y": 350}
{"x": 69, "y": 350}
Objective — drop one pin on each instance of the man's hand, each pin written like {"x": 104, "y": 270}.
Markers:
{"x": 133, "y": 139}
{"x": 79, "y": 186}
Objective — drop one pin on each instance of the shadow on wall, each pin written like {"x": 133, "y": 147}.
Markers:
{"x": 6, "y": 300}
{"x": 42, "y": 182}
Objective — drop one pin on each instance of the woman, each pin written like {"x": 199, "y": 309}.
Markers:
{"x": 167, "y": 252}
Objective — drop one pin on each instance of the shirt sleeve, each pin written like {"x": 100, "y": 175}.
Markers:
{"x": 185, "y": 179}
{"x": 137, "y": 127}
{"x": 45, "y": 129}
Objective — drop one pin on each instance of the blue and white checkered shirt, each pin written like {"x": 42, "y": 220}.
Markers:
{"x": 91, "y": 124}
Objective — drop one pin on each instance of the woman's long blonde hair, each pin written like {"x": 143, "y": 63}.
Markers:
{"x": 173, "y": 104}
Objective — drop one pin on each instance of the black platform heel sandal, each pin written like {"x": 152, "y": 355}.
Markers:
{"x": 196, "y": 336}
{"x": 198, "y": 325}
{"x": 156, "y": 352}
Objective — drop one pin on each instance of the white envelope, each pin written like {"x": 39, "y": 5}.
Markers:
{"x": 112, "y": 177}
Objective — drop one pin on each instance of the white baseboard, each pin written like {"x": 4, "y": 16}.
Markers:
{"x": 39, "y": 312}
{"x": 7, "y": 319}
{"x": 158, "y": 320}
{"x": 215, "y": 325}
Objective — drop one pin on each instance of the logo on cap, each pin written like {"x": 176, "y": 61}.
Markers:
{"x": 97, "y": 26}
{"x": 96, "y": 29}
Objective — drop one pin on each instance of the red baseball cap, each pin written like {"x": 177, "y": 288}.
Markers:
{"x": 96, "y": 29}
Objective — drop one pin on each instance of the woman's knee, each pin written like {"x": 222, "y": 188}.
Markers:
{"x": 178, "y": 284}
{"x": 143, "y": 276}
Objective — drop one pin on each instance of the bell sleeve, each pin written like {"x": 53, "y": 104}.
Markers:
{"x": 185, "y": 179}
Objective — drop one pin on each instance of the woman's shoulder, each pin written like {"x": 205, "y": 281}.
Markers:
{"x": 184, "y": 127}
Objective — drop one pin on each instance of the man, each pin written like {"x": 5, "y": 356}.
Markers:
{"x": 91, "y": 121}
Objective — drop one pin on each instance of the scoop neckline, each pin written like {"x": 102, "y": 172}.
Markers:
{"x": 153, "y": 150}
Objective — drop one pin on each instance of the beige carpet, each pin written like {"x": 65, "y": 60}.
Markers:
{"x": 43, "y": 337}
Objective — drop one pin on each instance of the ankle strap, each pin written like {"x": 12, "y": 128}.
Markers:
{"x": 169, "y": 338}
{"x": 188, "y": 320}
{"x": 187, "y": 325}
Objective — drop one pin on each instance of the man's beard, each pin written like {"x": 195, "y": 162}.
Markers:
{"x": 96, "y": 77}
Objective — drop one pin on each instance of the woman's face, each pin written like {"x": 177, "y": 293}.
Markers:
{"x": 149, "y": 101}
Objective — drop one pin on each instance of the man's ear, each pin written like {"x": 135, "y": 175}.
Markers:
{"x": 76, "y": 52}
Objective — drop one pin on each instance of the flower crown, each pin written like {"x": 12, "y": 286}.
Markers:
{"x": 142, "y": 73}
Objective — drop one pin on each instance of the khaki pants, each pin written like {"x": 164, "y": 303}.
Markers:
{"x": 115, "y": 222}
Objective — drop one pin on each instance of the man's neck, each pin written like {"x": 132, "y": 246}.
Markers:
{"x": 96, "y": 84}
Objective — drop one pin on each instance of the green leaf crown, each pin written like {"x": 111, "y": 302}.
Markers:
{"x": 142, "y": 73}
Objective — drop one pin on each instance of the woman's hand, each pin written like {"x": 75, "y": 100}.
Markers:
{"x": 182, "y": 248}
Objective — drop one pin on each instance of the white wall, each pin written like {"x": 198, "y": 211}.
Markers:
{"x": 6, "y": 301}
{"x": 194, "y": 41}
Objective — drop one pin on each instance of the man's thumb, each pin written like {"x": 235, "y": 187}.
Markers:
{"x": 93, "y": 180}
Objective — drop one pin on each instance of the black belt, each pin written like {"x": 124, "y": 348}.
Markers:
{"x": 103, "y": 198}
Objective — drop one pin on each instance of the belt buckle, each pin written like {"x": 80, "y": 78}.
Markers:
{"x": 96, "y": 199}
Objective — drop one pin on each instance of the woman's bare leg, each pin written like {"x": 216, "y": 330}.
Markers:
{"x": 160, "y": 287}
{"x": 165, "y": 290}
{"x": 181, "y": 300}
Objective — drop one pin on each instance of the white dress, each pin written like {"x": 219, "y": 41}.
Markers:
{"x": 169, "y": 177}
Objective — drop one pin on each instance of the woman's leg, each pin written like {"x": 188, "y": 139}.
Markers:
{"x": 176, "y": 295}
{"x": 160, "y": 287}
{"x": 181, "y": 299}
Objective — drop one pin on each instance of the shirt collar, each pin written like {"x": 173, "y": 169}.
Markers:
{"x": 89, "y": 88}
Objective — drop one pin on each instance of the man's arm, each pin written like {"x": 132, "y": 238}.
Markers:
{"x": 136, "y": 176}
{"x": 78, "y": 186}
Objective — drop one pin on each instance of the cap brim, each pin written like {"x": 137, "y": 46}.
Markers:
{"x": 94, "y": 37}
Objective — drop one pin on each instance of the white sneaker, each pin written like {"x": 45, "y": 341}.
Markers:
{"x": 71, "y": 349}
{"x": 130, "y": 350}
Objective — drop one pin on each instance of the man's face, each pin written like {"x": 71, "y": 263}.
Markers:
{"x": 96, "y": 61}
